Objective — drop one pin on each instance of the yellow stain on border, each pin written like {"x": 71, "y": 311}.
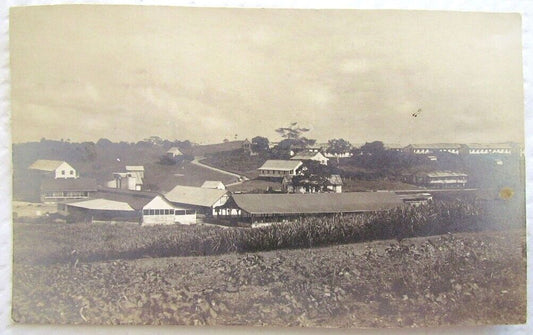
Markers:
{"x": 506, "y": 193}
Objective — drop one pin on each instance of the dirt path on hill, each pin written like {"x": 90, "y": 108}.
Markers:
{"x": 240, "y": 178}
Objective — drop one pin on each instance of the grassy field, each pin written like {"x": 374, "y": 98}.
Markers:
{"x": 460, "y": 279}
{"x": 255, "y": 186}
{"x": 165, "y": 177}
{"x": 360, "y": 185}
{"x": 61, "y": 243}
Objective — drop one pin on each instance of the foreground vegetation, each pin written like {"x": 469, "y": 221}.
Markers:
{"x": 60, "y": 243}
{"x": 459, "y": 279}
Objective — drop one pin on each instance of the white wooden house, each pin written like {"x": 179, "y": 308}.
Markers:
{"x": 160, "y": 211}
{"x": 311, "y": 156}
{"x": 174, "y": 152}
{"x": 279, "y": 168}
{"x": 54, "y": 169}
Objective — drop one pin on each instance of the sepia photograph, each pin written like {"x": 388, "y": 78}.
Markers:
{"x": 319, "y": 168}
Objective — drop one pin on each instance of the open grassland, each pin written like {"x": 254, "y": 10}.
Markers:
{"x": 60, "y": 243}
{"x": 459, "y": 279}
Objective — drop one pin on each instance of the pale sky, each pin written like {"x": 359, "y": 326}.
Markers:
{"x": 126, "y": 73}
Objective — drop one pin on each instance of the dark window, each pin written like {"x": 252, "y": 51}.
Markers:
{"x": 146, "y": 212}
{"x": 179, "y": 212}
{"x": 71, "y": 172}
{"x": 63, "y": 172}
{"x": 152, "y": 212}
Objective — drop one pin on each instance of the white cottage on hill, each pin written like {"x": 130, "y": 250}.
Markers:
{"x": 278, "y": 169}
{"x": 174, "y": 152}
{"x": 311, "y": 156}
{"x": 53, "y": 169}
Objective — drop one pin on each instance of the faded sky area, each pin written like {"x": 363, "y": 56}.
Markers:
{"x": 127, "y": 72}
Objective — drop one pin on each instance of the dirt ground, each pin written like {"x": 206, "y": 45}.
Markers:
{"x": 462, "y": 279}
{"x": 32, "y": 209}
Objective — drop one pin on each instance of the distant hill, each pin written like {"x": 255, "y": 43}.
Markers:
{"x": 208, "y": 149}
{"x": 99, "y": 160}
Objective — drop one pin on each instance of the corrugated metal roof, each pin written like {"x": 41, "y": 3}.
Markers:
{"x": 103, "y": 205}
{"x": 489, "y": 146}
{"x": 281, "y": 165}
{"x": 446, "y": 174}
{"x": 197, "y": 196}
{"x": 134, "y": 168}
{"x": 316, "y": 203}
{"x": 136, "y": 199}
{"x": 46, "y": 165}
{"x": 69, "y": 184}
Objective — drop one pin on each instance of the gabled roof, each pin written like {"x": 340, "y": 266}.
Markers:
{"x": 212, "y": 184}
{"x": 102, "y": 205}
{"x": 437, "y": 174}
{"x": 159, "y": 202}
{"x": 45, "y": 165}
{"x": 306, "y": 155}
{"x": 69, "y": 184}
{"x": 175, "y": 151}
{"x": 316, "y": 203}
{"x": 196, "y": 196}
{"x": 136, "y": 199}
{"x": 280, "y": 165}
{"x": 134, "y": 168}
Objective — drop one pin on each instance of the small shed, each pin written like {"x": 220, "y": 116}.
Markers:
{"x": 174, "y": 152}
{"x": 335, "y": 183}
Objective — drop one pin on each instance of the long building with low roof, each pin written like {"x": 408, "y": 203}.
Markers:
{"x": 260, "y": 206}
{"x": 277, "y": 168}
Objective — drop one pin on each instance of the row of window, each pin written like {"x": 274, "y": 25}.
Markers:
{"x": 168, "y": 211}
{"x": 66, "y": 194}
{"x": 71, "y": 172}
{"x": 275, "y": 172}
